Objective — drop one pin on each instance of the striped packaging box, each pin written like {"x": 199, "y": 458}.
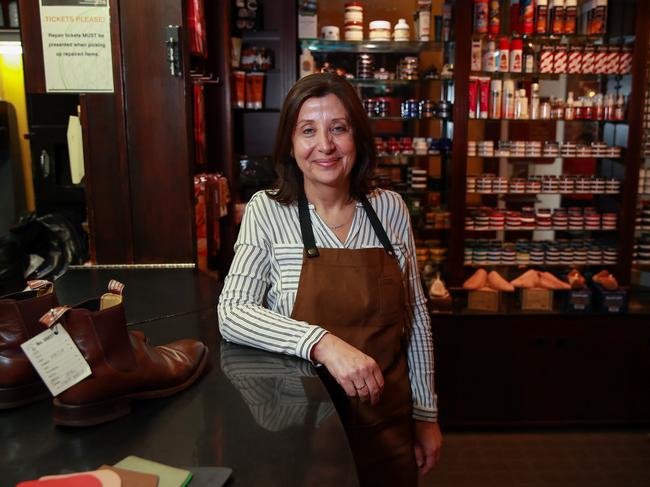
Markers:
{"x": 560, "y": 59}
{"x": 588, "y": 59}
{"x": 612, "y": 60}
{"x": 625, "y": 60}
{"x": 600, "y": 60}
{"x": 575, "y": 59}
{"x": 546, "y": 59}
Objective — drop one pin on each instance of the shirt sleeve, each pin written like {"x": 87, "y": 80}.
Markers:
{"x": 418, "y": 329}
{"x": 242, "y": 317}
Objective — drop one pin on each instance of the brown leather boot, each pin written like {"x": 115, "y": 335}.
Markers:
{"x": 124, "y": 366}
{"x": 19, "y": 314}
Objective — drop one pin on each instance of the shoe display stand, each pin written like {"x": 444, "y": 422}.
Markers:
{"x": 266, "y": 416}
{"x": 493, "y": 189}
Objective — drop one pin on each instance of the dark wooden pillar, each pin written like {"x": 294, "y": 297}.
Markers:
{"x": 463, "y": 28}
{"x": 636, "y": 103}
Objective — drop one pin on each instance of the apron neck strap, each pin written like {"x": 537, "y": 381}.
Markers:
{"x": 377, "y": 226}
{"x": 307, "y": 231}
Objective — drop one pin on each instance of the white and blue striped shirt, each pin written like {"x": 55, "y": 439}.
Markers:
{"x": 260, "y": 290}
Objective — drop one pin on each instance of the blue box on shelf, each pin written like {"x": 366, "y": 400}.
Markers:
{"x": 610, "y": 302}
{"x": 578, "y": 300}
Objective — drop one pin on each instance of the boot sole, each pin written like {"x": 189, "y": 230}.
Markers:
{"x": 13, "y": 397}
{"x": 105, "y": 411}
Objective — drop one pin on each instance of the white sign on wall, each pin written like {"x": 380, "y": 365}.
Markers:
{"x": 77, "y": 46}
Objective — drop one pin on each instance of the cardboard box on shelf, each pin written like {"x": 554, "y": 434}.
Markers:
{"x": 536, "y": 299}
{"x": 484, "y": 301}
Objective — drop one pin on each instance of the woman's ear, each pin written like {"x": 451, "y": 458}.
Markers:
{"x": 291, "y": 153}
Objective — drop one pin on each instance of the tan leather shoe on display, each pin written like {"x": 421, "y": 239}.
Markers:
{"x": 576, "y": 280}
{"x": 19, "y": 314}
{"x": 476, "y": 280}
{"x": 549, "y": 281}
{"x": 124, "y": 366}
{"x": 528, "y": 280}
{"x": 605, "y": 279}
{"x": 438, "y": 288}
{"x": 495, "y": 281}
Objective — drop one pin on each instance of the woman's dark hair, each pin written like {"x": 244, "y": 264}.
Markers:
{"x": 289, "y": 183}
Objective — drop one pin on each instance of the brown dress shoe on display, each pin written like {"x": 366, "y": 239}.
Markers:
{"x": 19, "y": 314}
{"x": 476, "y": 281}
{"x": 576, "y": 280}
{"x": 605, "y": 279}
{"x": 124, "y": 366}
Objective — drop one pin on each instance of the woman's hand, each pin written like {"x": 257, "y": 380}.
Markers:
{"x": 428, "y": 442}
{"x": 356, "y": 372}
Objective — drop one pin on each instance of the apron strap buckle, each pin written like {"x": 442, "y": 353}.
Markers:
{"x": 312, "y": 252}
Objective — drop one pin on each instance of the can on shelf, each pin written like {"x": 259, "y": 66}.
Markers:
{"x": 409, "y": 68}
{"x": 444, "y": 109}
{"x": 353, "y": 12}
{"x": 427, "y": 108}
{"x": 369, "y": 105}
{"x": 353, "y": 31}
{"x": 381, "y": 107}
{"x": 380, "y": 30}
{"x": 365, "y": 66}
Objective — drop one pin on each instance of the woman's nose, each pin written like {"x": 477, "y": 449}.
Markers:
{"x": 325, "y": 141}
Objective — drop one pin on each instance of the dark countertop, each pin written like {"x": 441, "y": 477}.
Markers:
{"x": 266, "y": 416}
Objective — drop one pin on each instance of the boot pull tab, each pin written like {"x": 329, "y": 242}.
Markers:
{"x": 114, "y": 295}
{"x": 53, "y": 316}
{"x": 115, "y": 287}
{"x": 41, "y": 286}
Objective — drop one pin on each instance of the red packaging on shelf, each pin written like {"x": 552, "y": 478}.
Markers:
{"x": 588, "y": 59}
{"x": 546, "y": 59}
{"x": 514, "y": 16}
{"x": 484, "y": 96}
{"x": 612, "y": 59}
{"x": 600, "y": 59}
{"x": 473, "y": 97}
{"x": 574, "y": 63}
{"x": 625, "y": 60}
{"x": 560, "y": 59}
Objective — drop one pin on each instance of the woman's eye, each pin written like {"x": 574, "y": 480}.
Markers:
{"x": 340, "y": 129}
{"x": 308, "y": 131}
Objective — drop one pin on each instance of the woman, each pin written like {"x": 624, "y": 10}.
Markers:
{"x": 326, "y": 270}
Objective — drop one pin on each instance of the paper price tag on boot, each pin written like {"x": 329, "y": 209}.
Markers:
{"x": 57, "y": 359}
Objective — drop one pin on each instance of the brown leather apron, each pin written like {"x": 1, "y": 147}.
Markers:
{"x": 358, "y": 295}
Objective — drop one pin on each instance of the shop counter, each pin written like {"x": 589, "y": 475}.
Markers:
{"x": 265, "y": 416}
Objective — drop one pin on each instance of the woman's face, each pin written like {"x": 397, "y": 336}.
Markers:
{"x": 323, "y": 143}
